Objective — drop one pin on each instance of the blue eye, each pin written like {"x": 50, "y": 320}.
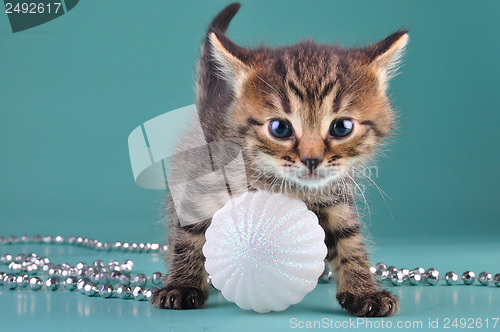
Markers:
{"x": 280, "y": 128}
{"x": 341, "y": 128}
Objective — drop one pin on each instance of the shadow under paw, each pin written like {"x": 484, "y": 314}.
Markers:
{"x": 370, "y": 304}
{"x": 179, "y": 297}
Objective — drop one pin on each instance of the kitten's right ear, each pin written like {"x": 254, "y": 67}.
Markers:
{"x": 233, "y": 61}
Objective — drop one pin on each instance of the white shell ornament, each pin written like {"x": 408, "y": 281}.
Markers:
{"x": 264, "y": 251}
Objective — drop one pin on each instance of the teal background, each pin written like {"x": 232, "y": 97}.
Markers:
{"x": 74, "y": 88}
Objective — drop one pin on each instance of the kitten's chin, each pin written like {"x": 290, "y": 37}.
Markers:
{"x": 315, "y": 181}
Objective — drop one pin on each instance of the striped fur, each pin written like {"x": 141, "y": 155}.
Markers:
{"x": 309, "y": 85}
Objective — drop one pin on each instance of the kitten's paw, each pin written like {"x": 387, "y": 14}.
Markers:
{"x": 178, "y": 297}
{"x": 370, "y": 304}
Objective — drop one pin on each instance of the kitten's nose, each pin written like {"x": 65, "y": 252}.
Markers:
{"x": 311, "y": 163}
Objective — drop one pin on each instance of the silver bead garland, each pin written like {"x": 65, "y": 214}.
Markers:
{"x": 430, "y": 276}
{"x": 97, "y": 279}
{"x": 114, "y": 280}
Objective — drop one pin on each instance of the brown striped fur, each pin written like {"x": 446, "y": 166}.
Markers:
{"x": 310, "y": 85}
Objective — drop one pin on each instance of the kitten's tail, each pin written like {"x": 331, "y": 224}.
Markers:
{"x": 211, "y": 91}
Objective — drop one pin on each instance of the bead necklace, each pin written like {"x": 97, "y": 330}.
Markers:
{"x": 98, "y": 279}
{"x": 115, "y": 280}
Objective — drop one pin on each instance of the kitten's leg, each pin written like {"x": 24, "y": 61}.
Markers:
{"x": 186, "y": 285}
{"x": 357, "y": 291}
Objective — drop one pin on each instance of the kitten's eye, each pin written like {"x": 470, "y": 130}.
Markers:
{"x": 280, "y": 128}
{"x": 341, "y": 128}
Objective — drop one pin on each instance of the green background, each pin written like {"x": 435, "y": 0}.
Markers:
{"x": 74, "y": 88}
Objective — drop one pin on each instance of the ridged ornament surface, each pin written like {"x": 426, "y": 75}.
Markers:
{"x": 264, "y": 251}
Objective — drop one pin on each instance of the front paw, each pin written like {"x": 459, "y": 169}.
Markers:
{"x": 369, "y": 304}
{"x": 179, "y": 297}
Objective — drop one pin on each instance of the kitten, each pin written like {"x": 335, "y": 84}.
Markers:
{"x": 304, "y": 116}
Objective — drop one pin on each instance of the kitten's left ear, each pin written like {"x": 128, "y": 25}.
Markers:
{"x": 233, "y": 61}
{"x": 386, "y": 55}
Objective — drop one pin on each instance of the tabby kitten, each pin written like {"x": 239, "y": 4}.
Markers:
{"x": 304, "y": 116}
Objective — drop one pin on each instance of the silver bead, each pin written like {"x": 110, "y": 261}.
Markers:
{"x": 98, "y": 265}
{"x": 139, "y": 293}
{"x": 2, "y": 276}
{"x": 451, "y": 278}
{"x": 36, "y": 283}
{"x": 164, "y": 248}
{"x": 6, "y": 259}
{"x": 125, "y": 246}
{"x": 124, "y": 292}
{"x": 381, "y": 271}
{"x": 92, "y": 276}
{"x": 124, "y": 279}
{"x": 157, "y": 278}
{"x": 10, "y": 281}
{"x": 59, "y": 239}
{"x": 47, "y": 239}
{"x": 25, "y": 239}
{"x": 3, "y": 240}
{"x": 81, "y": 284}
{"x": 406, "y": 273}
{"x": 65, "y": 266}
{"x": 44, "y": 261}
{"x": 21, "y": 257}
{"x": 150, "y": 292}
{"x": 484, "y": 278}
{"x": 90, "y": 289}
{"x": 32, "y": 269}
{"x": 391, "y": 269}
{"x": 209, "y": 281}
{"x": 326, "y": 276}
{"x": 432, "y": 276}
{"x": 415, "y": 277}
{"x": 102, "y": 278}
{"x": 71, "y": 240}
{"x": 81, "y": 266}
{"x": 468, "y": 277}
{"x": 397, "y": 277}
{"x": 54, "y": 272}
{"x": 114, "y": 265}
{"x": 115, "y": 276}
{"x": 140, "y": 279}
{"x": 155, "y": 246}
{"x": 106, "y": 290}
{"x": 23, "y": 280}
{"x": 496, "y": 279}
{"x": 133, "y": 247}
{"x": 127, "y": 265}
{"x": 106, "y": 246}
{"x": 37, "y": 238}
{"x": 70, "y": 283}
{"x": 117, "y": 245}
{"x": 52, "y": 283}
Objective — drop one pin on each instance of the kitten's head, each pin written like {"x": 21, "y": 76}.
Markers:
{"x": 309, "y": 113}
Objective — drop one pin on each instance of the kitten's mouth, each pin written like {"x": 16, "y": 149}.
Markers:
{"x": 311, "y": 176}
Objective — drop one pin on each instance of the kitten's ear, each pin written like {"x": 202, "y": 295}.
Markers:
{"x": 233, "y": 61}
{"x": 386, "y": 55}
